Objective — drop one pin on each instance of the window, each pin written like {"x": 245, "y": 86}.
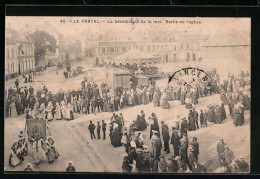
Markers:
{"x": 153, "y": 48}
{"x": 175, "y": 57}
{"x": 8, "y": 53}
{"x": 187, "y": 46}
{"x": 181, "y": 46}
{"x": 12, "y": 52}
{"x": 12, "y": 68}
{"x": 148, "y": 48}
{"x": 29, "y": 64}
{"x": 8, "y": 68}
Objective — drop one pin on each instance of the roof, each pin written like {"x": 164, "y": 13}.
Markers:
{"x": 233, "y": 38}
{"x": 134, "y": 54}
{"x": 140, "y": 76}
{"x": 120, "y": 72}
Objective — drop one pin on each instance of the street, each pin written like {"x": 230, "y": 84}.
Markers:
{"x": 72, "y": 139}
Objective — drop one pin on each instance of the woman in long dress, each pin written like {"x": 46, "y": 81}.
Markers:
{"x": 165, "y": 103}
{"x": 42, "y": 112}
{"x": 57, "y": 114}
{"x": 63, "y": 110}
{"x": 16, "y": 157}
{"x": 49, "y": 111}
{"x": 51, "y": 153}
{"x": 69, "y": 113}
{"x": 13, "y": 110}
{"x": 37, "y": 150}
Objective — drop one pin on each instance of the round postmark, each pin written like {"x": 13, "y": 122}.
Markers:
{"x": 190, "y": 76}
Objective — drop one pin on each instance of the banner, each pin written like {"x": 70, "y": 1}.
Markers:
{"x": 36, "y": 128}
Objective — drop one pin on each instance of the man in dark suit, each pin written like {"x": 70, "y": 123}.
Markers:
{"x": 104, "y": 126}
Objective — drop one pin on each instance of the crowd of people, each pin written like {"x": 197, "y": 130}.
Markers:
{"x": 42, "y": 104}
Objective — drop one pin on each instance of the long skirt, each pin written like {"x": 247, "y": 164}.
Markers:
{"x": 52, "y": 154}
{"x": 211, "y": 116}
{"x": 156, "y": 102}
{"x": 224, "y": 112}
{"x": 13, "y": 112}
{"x": 14, "y": 160}
{"x": 165, "y": 104}
{"x": 57, "y": 115}
{"x": 49, "y": 116}
{"x": 238, "y": 119}
{"x": 182, "y": 98}
{"x": 219, "y": 117}
{"x": 38, "y": 155}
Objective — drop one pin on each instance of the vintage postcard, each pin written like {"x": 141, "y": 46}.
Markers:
{"x": 127, "y": 94}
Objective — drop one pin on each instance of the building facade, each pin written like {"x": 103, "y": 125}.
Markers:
{"x": 169, "y": 46}
{"x": 25, "y": 56}
{"x": 11, "y": 62}
{"x": 19, "y": 53}
{"x": 70, "y": 50}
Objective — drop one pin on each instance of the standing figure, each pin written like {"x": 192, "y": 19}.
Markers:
{"x": 196, "y": 117}
{"x": 49, "y": 111}
{"x": 38, "y": 153}
{"x": 51, "y": 153}
{"x": 104, "y": 126}
{"x": 201, "y": 118}
{"x": 98, "y": 129}
{"x": 175, "y": 141}
{"x": 156, "y": 144}
{"x": 13, "y": 110}
{"x": 15, "y": 157}
{"x": 166, "y": 137}
{"x": 91, "y": 129}
{"x": 154, "y": 125}
{"x": 69, "y": 112}
{"x": 57, "y": 114}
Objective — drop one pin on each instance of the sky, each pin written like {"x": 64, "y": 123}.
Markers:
{"x": 206, "y": 25}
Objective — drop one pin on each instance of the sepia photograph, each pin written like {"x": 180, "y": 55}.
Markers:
{"x": 128, "y": 95}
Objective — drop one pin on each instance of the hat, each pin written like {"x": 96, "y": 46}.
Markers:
{"x": 70, "y": 162}
{"x": 194, "y": 138}
{"x": 139, "y": 132}
{"x": 21, "y": 134}
{"x": 156, "y": 132}
{"x": 98, "y": 122}
{"x": 162, "y": 121}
